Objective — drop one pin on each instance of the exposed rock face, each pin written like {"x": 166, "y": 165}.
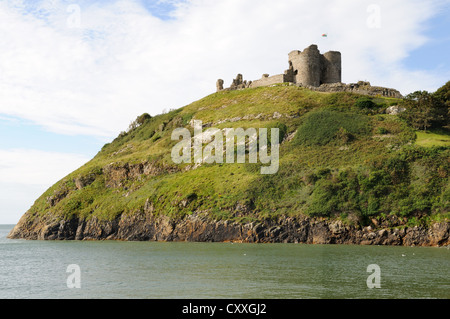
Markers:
{"x": 117, "y": 173}
{"x": 145, "y": 226}
{"x": 57, "y": 196}
{"x": 83, "y": 181}
{"x": 395, "y": 109}
{"x": 361, "y": 88}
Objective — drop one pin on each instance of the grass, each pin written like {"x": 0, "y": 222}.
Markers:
{"x": 346, "y": 158}
{"x": 433, "y": 138}
{"x": 324, "y": 126}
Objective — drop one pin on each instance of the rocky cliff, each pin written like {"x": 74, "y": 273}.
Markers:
{"x": 145, "y": 226}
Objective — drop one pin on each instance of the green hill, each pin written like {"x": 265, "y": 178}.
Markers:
{"x": 341, "y": 159}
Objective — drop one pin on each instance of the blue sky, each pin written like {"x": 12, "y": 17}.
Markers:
{"x": 72, "y": 78}
{"x": 434, "y": 54}
{"x": 160, "y": 9}
{"x": 24, "y": 134}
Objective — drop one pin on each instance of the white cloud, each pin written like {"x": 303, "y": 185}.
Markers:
{"x": 35, "y": 167}
{"x": 26, "y": 174}
{"x": 122, "y": 61}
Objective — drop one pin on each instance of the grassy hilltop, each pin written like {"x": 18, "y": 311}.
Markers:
{"x": 341, "y": 157}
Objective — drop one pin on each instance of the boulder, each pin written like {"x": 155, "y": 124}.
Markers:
{"x": 395, "y": 109}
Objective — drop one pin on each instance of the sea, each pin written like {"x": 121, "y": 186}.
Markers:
{"x": 186, "y": 270}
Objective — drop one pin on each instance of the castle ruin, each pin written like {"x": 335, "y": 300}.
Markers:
{"x": 313, "y": 70}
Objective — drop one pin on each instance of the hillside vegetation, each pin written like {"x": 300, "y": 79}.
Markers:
{"x": 341, "y": 157}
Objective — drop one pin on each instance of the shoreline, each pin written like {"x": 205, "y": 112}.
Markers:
{"x": 198, "y": 228}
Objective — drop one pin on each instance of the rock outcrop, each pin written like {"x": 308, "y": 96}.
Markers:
{"x": 118, "y": 173}
{"x": 360, "y": 87}
{"x": 145, "y": 226}
{"x": 395, "y": 110}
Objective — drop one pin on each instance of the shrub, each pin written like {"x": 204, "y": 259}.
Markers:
{"x": 365, "y": 103}
{"x": 325, "y": 126}
{"x": 323, "y": 201}
{"x": 141, "y": 119}
{"x": 382, "y": 130}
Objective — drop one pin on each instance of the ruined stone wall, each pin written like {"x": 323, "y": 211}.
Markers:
{"x": 237, "y": 84}
{"x": 219, "y": 85}
{"x": 267, "y": 80}
{"x": 360, "y": 88}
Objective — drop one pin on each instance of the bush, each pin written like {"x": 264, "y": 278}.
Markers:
{"x": 323, "y": 201}
{"x": 365, "y": 103}
{"x": 141, "y": 119}
{"x": 325, "y": 126}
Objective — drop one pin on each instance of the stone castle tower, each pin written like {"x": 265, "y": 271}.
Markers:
{"x": 312, "y": 68}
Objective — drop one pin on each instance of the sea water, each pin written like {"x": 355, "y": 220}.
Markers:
{"x": 181, "y": 270}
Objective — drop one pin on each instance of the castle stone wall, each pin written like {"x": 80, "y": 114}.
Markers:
{"x": 361, "y": 87}
{"x": 268, "y": 80}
